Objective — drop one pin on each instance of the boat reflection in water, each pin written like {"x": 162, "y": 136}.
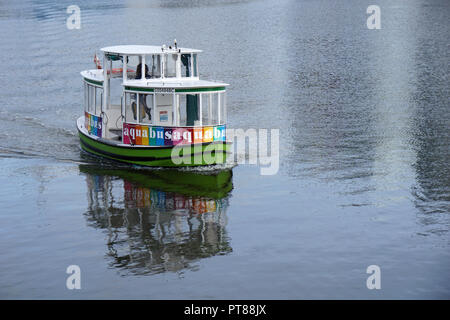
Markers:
{"x": 159, "y": 220}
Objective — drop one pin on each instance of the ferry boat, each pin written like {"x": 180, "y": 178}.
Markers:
{"x": 148, "y": 106}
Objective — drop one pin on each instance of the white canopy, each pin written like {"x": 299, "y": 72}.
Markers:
{"x": 140, "y": 50}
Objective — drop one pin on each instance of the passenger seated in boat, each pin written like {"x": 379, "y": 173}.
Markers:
{"x": 139, "y": 72}
{"x": 142, "y": 97}
{"x": 144, "y": 108}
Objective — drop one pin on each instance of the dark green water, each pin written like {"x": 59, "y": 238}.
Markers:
{"x": 364, "y": 149}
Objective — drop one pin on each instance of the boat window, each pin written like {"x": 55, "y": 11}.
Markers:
{"x": 91, "y": 99}
{"x": 213, "y": 108}
{"x": 114, "y": 66}
{"x": 206, "y": 108}
{"x": 98, "y": 100}
{"x": 85, "y": 97}
{"x": 221, "y": 108}
{"x": 154, "y": 65}
{"x": 130, "y": 105}
{"x": 132, "y": 62}
{"x": 188, "y": 109}
{"x": 170, "y": 70}
{"x": 145, "y": 108}
{"x": 195, "y": 65}
{"x": 192, "y": 109}
{"x": 181, "y": 99}
{"x": 185, "y": 65}
{"x": 163, "y": 110}
{"x": 188, "y": 112}
{"x": 214, "y": 103}
{"x": 209, "y": 108}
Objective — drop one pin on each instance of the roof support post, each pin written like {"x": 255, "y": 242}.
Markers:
{"x": 210, "y": 108}
{"x": 143, "y": 67}
{"x": 191, "y": 60}
{"x": 154, "y": 108}
{"x": 224, "y": 106}
{"x": 178, "y": 66}
{"x": 174, "y": 109}
{"x": 138, "y": 109}
{"x": 200, "y": 108}
{"x": 218, "y": 107}
{"x": 105, "y": 83}
{"x": 124, "y": 69}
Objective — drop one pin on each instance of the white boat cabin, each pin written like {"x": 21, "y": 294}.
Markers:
{"x": 150, "y": 87}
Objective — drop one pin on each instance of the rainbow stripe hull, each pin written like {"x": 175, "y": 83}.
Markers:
{"x": 189, "y": 155}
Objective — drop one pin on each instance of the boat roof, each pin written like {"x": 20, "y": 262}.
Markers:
{"x": 176, "y": 84}
{"x": 141, "y": 49}
{"x": 96, "y": 75}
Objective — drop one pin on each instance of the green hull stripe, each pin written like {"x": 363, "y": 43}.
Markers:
{"x": 157, "y": 162}
{"x": 149, "y": 157}
{"x": 200, "y": 89}
{"x": 139, "y": 89}
{"x": 177, "y": 90}
{"x": 98, "y": 83}
{"x": 131, "y": 158}
{"x": 122, "y": 157}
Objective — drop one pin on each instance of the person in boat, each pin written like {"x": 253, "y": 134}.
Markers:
{"x": 142, "y": 97}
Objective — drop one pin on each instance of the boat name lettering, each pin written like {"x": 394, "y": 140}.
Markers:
{"x": 164, "y": 90}
{"x": 135, "y": 134}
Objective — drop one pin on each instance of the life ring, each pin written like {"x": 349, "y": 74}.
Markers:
{"x": 119, "y": 70}
{"x": 114, "y": 71}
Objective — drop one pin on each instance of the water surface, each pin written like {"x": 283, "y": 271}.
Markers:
{"x": 364, "y": 148}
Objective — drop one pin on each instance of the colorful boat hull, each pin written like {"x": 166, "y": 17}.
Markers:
{"x": 187, "y": 155}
